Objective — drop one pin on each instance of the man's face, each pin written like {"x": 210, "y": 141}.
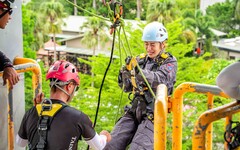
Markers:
{"x": 153, "y": 48}
{"x": 4, "y": 20}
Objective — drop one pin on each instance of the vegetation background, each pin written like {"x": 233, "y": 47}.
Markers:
{"x": 185, "y": 23}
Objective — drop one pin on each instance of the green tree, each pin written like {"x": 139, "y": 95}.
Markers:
{"x": 51, "y": 19}
{"x": 201, "y": 24}
{"x": 162, "y": 11}
{"x": 95, "y": 34}
{"x": 223, "y": 14}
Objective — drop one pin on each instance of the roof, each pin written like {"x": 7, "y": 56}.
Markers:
{"x": 217, "y": 32}
{"x": 73, "y": 23}
{"x": 81, "y": 51}
{"x": 232, "y": 44}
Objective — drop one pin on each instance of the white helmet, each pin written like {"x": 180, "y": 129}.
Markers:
{"x": 155, "y": 32}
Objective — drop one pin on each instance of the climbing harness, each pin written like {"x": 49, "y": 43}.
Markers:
{"x": 232, "y": 136}
{"x": 46, "y": 112}
{"x": 142, "y": 103}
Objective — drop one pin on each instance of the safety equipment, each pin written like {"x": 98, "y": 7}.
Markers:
{"x": 47, "y": 110}
{"x": 232, "y": 136}
{"x": 63, "y": 71}
{"x": 154, "y": 32}
{"x": 7, "y": 4}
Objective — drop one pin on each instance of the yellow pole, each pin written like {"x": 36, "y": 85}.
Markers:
{"x": 32, "y": 66}
{"x": 160, "y": 118}
{"x": 177, "y": 105}
{"x": 10, "y": 119}
{"x": 210, "y": 126}
{"x": 198, "y": 137}
{"x": 23, "y": 65}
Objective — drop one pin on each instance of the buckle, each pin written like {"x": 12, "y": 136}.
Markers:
{"x": 42, "y": 127}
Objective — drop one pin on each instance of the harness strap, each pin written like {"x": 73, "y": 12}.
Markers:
{"x": 46, "y": 113}
{"x": 143, "y": 106}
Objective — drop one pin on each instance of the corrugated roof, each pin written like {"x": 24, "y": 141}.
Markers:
{"x": 232, "y": 44}
{"x": 81, "y": 51}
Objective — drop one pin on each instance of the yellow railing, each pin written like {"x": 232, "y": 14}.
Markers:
{"x": 22, "y": 65}
{"x": 175, "y": 104}
{"x": 160, "y": 118}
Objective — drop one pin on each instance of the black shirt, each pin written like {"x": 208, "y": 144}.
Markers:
{"x": 67, "y": 127}
{"x": 4, "y": 61}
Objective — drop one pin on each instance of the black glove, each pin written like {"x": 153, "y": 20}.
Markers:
{"x": 124, "y": 78}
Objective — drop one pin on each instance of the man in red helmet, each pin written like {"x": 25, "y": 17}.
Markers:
{"x": 9, "y": 73}
{"x": 53, "y": 124}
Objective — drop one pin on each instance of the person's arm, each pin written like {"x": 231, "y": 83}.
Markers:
{"x": 4, "y": 61}
{"x": 9, "y": 73}
{"x": 229, "y": 80}
{"x": 21, "y": 142}
{"x": 98, "y": 142}
{"x": 21, "y": 138}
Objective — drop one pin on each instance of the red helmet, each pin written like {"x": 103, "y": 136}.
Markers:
{"x": 63, "y": 71}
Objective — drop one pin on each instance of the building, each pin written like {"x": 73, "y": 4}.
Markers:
{"x": 230, "y": 48}
{"x": 70, "y": 43}
{"x": 205, "y": 3}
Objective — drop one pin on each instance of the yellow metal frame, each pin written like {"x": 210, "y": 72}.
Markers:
{"x": 160, "y": 118}
{"x": 24, "y": 65}
{"x": 206, "y": 118}
{"x": 202, "y": 140}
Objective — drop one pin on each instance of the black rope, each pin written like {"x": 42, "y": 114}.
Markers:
{"x": 105, "y": 74}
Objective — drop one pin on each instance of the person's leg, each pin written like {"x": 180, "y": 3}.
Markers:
{"x": 122, "y": 133}
{"x": 143, "y": 138}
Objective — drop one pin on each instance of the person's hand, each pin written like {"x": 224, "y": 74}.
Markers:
{"x": 107, "y": 134}
{"x": 38, "y": 99}
{"x": 10, "y": 74}
{"x": 131, "y": 63}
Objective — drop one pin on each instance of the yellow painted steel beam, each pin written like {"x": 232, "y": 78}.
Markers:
{"x": 31, "y": 65}
{"x": 208, "y": 117}
{"x": 177, "y": 106}
{"x": 160, "y": 118}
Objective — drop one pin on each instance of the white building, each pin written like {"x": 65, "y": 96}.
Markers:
{"x": 205, "y": 3}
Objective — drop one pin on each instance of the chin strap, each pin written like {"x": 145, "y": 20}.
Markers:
{"x": 58, "y": 84}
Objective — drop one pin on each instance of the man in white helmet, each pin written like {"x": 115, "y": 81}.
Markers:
{"x": 159, "y": 67}
{"x": 9, "y": 73}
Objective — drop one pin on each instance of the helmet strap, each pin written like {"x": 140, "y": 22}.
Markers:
{"x": 56, "y": 83}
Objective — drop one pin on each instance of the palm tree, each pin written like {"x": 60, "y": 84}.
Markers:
{"x": 237, "y": 11}
{"x": 94, "y": 4}
{"x": 139, "y": 7}
{"x": 161, "y": 11}
{"x": 51, "y": 19}
{"x": 95, "y": 34}
{"x": 201, "y": 24}
{"x": 75, "y": 8}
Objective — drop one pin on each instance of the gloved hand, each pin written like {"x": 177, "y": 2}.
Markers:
{"x": 124, "y": 78}
{"x": 131, "y": 63}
